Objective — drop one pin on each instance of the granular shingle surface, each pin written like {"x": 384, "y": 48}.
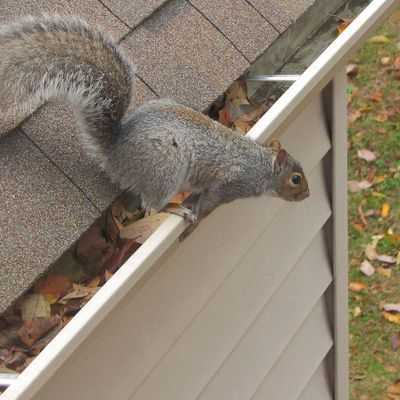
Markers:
{"x": 41, "y": 214}
{"x": 281, "y": 13}
{"x": 91, "y": 10}
{"x": 180, "y": 54}
{"x": 243, "y": 25}
{"x": 133, "y": 14}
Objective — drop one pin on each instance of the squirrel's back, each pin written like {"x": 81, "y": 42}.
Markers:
{"x": 62, "y": 57}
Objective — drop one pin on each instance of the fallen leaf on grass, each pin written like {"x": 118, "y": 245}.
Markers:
{"x": 357, "y": 312}
{"x": 355, "y": 186}
{"x": 378, "y": 39}
{"x": 398, "y": 258}
{"x": 354, "y": 116}
{"x": 366, "y": 155}
{"x": 395, "y": 342}
{"x": 385, "y": 211}
{"x": 357, "y": 286}
{"x": 395, "y": 388}
{"x": 395, "y": 318}
{"x": 382, "y": 116}
{"x": 370, "y": 252}
{"x": 142, "y": 229}
{"x": 351, "y": 69}
{"x": 385, "y": 60}
{"x": 366, "y": 268}
{"x": 397, "y": 63}
{"x": 391, "y": 307}
{"x": 362, "y": 215}
{"x": 386, "y": 272}
{"x": 375, "y": 97}
{"x": 385, "y": 259}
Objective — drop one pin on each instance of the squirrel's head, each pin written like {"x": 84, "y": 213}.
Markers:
{"x": 291, "y": 183}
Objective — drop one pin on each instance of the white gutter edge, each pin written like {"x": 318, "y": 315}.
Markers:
{"x": 288, "y": 106}
{"x": 322, "y": 70}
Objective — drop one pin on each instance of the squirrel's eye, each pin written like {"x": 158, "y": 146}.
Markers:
{"x": 296, "y": 179}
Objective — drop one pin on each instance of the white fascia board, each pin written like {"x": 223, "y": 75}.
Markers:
{"x": 278, "y": 116}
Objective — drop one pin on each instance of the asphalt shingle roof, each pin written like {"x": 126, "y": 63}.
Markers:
{"x": 51, "y": 191}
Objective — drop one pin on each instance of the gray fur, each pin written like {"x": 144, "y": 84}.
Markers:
{"x": 161, "y": 148}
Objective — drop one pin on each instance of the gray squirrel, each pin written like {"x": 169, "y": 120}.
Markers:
{"x": 162, "y": 147}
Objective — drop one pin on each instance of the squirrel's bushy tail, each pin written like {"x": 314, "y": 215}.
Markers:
{"x": 54, "y": 57}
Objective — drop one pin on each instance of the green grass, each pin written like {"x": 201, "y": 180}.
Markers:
{"x": 374, "y": 365}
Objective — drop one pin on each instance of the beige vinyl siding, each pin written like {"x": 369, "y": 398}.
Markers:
{"x": 218, "y": 312}
{"x": 319, "y": 387}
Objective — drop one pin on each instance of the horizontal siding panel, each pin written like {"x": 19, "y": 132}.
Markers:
{"x": 308, "y": 133}
{"x": 254, "y": 355}
{"x": 300, "y": 359}
{"x": 151, "y": 318}
{"x": 234, "y": 306}
{"x": 319, "y": 386}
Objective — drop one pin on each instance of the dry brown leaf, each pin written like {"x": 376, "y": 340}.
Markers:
{"x": 375, "y": 97}
{"x": 395, "y": 342}
{"x": 79, "y": 292}
{"x": 224, "y": 117}
{"x": 395, "y": 318}
{"x": 391, "y": 307}
{"x": 355, "y": 186}
{"x": 343, "y": 26}
{"x": 94, "y": 282}
{"x": 397, "y": 63}
{"x": 119, "y": 253}
{"x": 370, "y": 252}
{"x": 34, "y": 306}
{"x": 362, "y": 215}
{"x": 9, "y": 335}
{"x": 352, "y": 69}
{"x": 52, "y": 286}
{"x": 385, "y": 211}
{"x": 386, "y": 259}
{"x": 33, "y": 330}
{"x": 395, "y": 388}
{"x": 386, "y": 272}
{"x": 179, "y": 197}
{"x": 366, "y": 155}
{"x": 142, "y": 229}
{"x": 354, "y": 116}
{"x": 357, "y": 286}
{"x": 382, "y": 116}
{"x": 366, "y": 268}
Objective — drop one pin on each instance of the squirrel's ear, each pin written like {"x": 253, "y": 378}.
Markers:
{"x": 275, "y": 145}
{"x": 281, "y": 157}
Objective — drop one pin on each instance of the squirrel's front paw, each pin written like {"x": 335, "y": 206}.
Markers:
{"x": 188, "y": 214}
{"x": 182, "y": 211}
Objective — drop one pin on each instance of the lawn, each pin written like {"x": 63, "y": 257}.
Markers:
{"x": 374, "y": 211}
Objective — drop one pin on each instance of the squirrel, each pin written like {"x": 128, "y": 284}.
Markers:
{"x": 162, "y": 147}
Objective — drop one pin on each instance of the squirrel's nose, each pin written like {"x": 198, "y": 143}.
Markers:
{"x": 307, "y": 193}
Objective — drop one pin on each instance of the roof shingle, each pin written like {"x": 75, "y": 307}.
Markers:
{"x": 243, "y": 25}
{"x": 180, "y": 54}
{"x": 41, "y": 214}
